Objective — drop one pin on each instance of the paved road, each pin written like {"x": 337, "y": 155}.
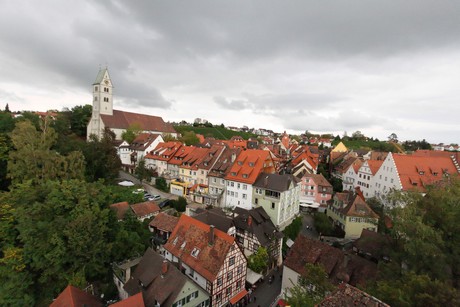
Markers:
{"x": 149, "y": 188}
{"x": 308, "y": 226}
{"x": 266, "y": 293}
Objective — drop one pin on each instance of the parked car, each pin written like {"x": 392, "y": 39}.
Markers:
{"x": 151, "y": 197}
{"x": 165, "y": 203}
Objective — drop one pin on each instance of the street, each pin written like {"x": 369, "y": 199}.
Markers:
{"x": 308, "y": 226}
{"x": 150, "y": 189}
{"x": 266, "y": 293}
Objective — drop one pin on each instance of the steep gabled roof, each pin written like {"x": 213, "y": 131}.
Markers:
{"x": 257, "y": 222}
{"x": 143, "y": 140}
{"x": 136, "y": 300}
{"x": 374, "y": 165}
{"x": 215, "y": 217}
{"x": 122, "y": 120}
{"x": 249, "y": 164}
{"x": 192, "y": 235}
{"x": 164, "y": 151}
{"x": 164, "y": 222}
{"x": 224, "y": 162}
{"x": 74, "y": 297}
{"x": 155, "y": 285}
{"x": 194, "y": 158}
{"x": 180, "y": 155}
{"x": 417, "y": 172}
{"x": 319, "y": 179}
{"x": 211, "y": 157}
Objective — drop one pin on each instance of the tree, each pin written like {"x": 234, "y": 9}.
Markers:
{"x": 292, "y": 230}
{"x": 131, "y": 133}
{"x": 102, "y": 161}
{"x": 7, "y": 109}
{"x": 393, "y": 138}
{"x": 312, "y": 288}
{"x": 169, "y": 138}
{"x": 323, "y": 225}
{"x": 180, "y": 204}
{"x": 79, "y": 119}
{"x": 142, "y": 172}
{"x": 34, "y": 160}
{"x": 258, "y": 261}
{"x": 357, "y": 135}
{"x": 189, "y": 138}
{"x": 160, "y": 184}
{"x": 425, "y": 265}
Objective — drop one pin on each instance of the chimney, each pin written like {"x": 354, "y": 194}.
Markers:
{"x": 211, "y": 235}
{"x": 265, "y": 181}
{"x": 164, "y": 267}
{"x": 249, "y": 220}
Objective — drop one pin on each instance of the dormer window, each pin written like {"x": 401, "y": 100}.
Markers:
{"x": 245, "y": 175}
{"x": 421, "y": 173}
{"x": 195, "y": 252}
{"x": 251, "y": 164}
{"x": 175, "y": 240}
{"x": 233, "y": 173}
{"x": 183, "y": 245}
{"x": 240, "y": 163}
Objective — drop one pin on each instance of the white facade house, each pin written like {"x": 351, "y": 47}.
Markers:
{"x": 238, "y": 195}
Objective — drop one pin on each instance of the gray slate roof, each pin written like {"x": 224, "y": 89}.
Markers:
{"x": 275, "y": 182}
{"x": 262, "y": 227}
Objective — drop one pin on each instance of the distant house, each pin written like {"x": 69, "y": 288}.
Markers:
{"x": 120, "y": 209}
{"x": 352, "y": 214}
{"x": 162, "y": 226}
{"x": 315, "y": 191}
{"x": 243, "y": 174}
{"x": 157, "y": 159}
{"x": 74, "y": 297}
{"x": 338, "y": 265}
{"x": 104, "y": 116}
{"x": 218, "y": 219}
{"x": 255, "y": 229}
{"x": 162, "y": 284}
{"x": 141, "y": 146}
{"x": 211, "y": 258}
{"x": 373, "y": 245}
{"x": 278, "y": 195}
{"x": 145, "y": 210}
{"x": 413, "y": 172}
{"x": 347, "y": 295}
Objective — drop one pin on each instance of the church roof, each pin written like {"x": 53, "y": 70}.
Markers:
{"x": 122, "y": 120}
{"x": 100, "y": 76}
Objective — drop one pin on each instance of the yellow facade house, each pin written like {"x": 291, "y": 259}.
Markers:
{"x": 352, "y": 214}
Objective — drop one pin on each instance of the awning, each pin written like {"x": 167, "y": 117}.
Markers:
{"x": 252, "y": 277}
{"x": 126, "y": 183}
{"x": 238, "y": 297}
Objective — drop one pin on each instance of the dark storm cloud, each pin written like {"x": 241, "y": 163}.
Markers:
{"x": 300, "y": 63}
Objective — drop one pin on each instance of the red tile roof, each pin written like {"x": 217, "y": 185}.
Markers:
{"x": 120, "y": 209}
{"x": 145, "y": 208}
{"x": 249, "y": 164}
{"x": 339, "y": 265}
{"x": 74, "y": 297}
{"x": 191, "y": 234}
{"x": 194, "y": 158}
{"x": 346, "y": 295}
{"x": 164, "y": 151}
{"x": 164, "y": 222}
{"x": 179, "y": 156}
{"x": 416, "y": 172}
{"x": 374, "y": 165}
{"x": 132, "y": 301}
{"x": 122, "y": 120}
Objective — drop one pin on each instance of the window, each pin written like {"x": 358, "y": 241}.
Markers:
{"x": 218, "y": 297}
{"x": 256, "y": 201}
{"x": 229, "y": 276}
{"x": 231, "y": 261}
{"x": 219, "y": 281}
{"x": 232, "y": 184}
{"x": 214, "y": 180}
{"x": 244, "y": 196}
{"x": 195, "y": 252}
{"x": 238, "y": 285}
{"x": 245, "y": 175}
{"x": 273, "y": 205}
{"x": 229, "y": 291}
{"x": 245, "y": 186}
{"x": 240, "y": 269}
{"x": 238, "y": 185}
{"x": 96, "y": 88}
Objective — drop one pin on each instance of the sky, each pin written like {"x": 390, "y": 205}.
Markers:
{"x": 379, "y": 67}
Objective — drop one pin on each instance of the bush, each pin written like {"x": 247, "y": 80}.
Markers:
{"x": 180, "y": 205}
{"x": 323, "y": 225}
{"x": 160, "y": 184}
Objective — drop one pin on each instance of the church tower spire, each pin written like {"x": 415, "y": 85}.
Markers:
{"x": 102, "y": 93}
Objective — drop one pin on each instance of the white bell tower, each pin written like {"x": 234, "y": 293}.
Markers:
{"x": 102, "y": 93}
{"x": 102, "y": 102}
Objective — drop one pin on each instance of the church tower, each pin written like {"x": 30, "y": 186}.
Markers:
{"x": 102, "y": 102}
{"x": 102, "y": 93}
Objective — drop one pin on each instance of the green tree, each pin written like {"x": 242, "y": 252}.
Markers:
{"x": 258, "y": 261}
{"x": 312, "y": 288}
{"x": 131, "y": 133}
{"x": 424, "y": 266}
{"x": 169, "y": 138}
{"x": 189, "y": 138}
{"x": 102, "y": 161}
{"x": 160, "y": 184}
{"x": 292, "y": 230}
{"x": 180, "y": 204}
{"x": 34, "y": 160}
{"x": 7, "y": 109}
{"x": 142, "y": 172}
{"x": 323, "y": 225}
{"x": 79, "y": 119}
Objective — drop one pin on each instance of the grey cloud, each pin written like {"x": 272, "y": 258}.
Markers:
{"x": 230, "y": 104}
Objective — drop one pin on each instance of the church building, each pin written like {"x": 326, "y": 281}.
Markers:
{"x": 104, "y": 116}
